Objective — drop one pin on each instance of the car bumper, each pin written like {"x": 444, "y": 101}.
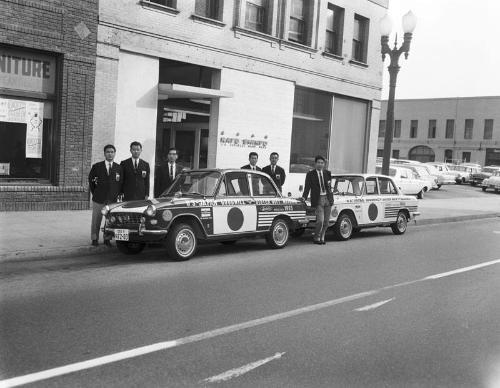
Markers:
{"x": 139, "y": 236}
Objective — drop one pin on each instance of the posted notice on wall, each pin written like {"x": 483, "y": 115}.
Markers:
{"x": 30, "y": 113}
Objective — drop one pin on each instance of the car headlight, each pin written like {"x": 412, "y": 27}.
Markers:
{"x": 105, "y": 210}
{"x": 151, "y": 210}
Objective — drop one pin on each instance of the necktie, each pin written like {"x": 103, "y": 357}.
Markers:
{"x": 109, "y": 168}
{"x": 273, "y": 169}
{"x": 135, "y": 164}
{"x": 321, "y": 182}
{"x": 171, "y": 171}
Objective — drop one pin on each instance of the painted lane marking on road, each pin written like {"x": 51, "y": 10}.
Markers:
{"x": 143, "y": 350}
{"x": 374, "y": 305}
{"x": 236, "y": 372}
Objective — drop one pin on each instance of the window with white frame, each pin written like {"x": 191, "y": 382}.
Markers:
{"x": 297, "y": 30}
{"x": 334, "y": 29}
{"x": 211, "y": 9}
{"x": 257, "y": 15}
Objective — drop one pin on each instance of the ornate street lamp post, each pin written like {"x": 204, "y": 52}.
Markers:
{"x": 409, "y": 24}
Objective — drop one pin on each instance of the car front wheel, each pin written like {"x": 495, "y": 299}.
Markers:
{"x": 278, "y": 235}
{"x": 483, "y": 188}
{"x": 399, "y": 227}
{"x": 182, "y": 242}
{"x": 344, "y": 227}
{"x": 130, "y": 248}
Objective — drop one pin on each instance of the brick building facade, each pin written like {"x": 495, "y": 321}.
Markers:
{"x": 47, "y": 74}
{"x": 220, "y": 78}
{"x": 459, "y": 129}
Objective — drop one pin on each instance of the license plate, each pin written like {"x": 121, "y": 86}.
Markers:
{"x": 121, "y": 234}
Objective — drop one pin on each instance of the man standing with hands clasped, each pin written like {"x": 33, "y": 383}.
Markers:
{"x": 135, "y": 175}
{"x": 105, "y": 182}
{"x": 276, "y": 173}
{"x": 319, "y": 183}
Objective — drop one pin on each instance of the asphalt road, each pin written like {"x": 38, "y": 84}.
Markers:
{"x": 460, "y": 191}
{"x": 362, "y": 313}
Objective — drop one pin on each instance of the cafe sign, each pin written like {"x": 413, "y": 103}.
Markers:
{"x": 27, "y": 71}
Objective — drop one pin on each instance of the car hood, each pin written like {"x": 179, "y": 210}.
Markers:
{"x": 141, "y": 205}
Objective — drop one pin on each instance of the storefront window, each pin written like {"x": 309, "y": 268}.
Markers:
{"x": 310, "y": 129}
{"x": 25, "y": 138}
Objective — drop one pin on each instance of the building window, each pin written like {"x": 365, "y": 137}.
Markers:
{"x": 209, "y": 8}
{"x": 256, "y": 14}
{"x": 450, "y": 128}
{"x": 334, "y": 29}
{"x": 166, "y": 3}
{"x": 432, "y": 129}
{"x": 466, "y": 157}
{"x": 381, "y": 128}
{"x": 488, "y": 129}
{"x": 469, "y": 126}
{"x": 380, "y": 153}
{"x": 297, "y": 31}
{"x": 360, "y": 38}
{"x": 310, "y": 128}
{"x": 397, "y": 128}
{"x": 448, "y": 156}
{"x": 395, "y": 154}
{"x": 413, "y": 129}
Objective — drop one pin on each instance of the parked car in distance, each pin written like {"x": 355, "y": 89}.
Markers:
{"x": 445, "y": 175}
{"x": 206, "y": 205}
{"x": 486, "y": 172}
{"x": 406, "y": 180}
{"x": 493, "y": 182}
{"x": 367, "y": 201}
{"x": 423, "y": 173}
{"x": 464, "y": 173}
{"x": 441, "y": 178}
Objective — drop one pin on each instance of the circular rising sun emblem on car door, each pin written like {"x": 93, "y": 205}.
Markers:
{"x": 235, "y": 219}
{"x": 372, "y": 212}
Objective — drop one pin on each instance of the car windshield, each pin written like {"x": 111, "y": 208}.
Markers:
{"x": 348, "y": 185}
{"x": 422, "y": 171}
{"x": 194, "y": 183}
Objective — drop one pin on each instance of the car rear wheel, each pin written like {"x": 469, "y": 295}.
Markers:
{"x": 278, "y": 235}
{"x": 130, "y": 248}
{"x": 420, "y": 195}
{"x": 472, "y": 183}
{"x": 182, "y": 242}
{"x": 439, "y": 186}
{"x": 483, "y": 188}
{"x": 399, "y": 227}
{"x": 344, "y": 227}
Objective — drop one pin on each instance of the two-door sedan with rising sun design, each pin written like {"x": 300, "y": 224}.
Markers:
{"x": 209, "y": 205}
{"x": 367, "y": 201}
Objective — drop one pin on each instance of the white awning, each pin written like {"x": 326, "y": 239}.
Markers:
{"x": 168, "y": 91}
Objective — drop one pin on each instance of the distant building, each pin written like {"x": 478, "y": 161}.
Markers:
{"x": 47, "y": 71}
{"x": 220, "y": 78}
{"x": 445, "y": 129}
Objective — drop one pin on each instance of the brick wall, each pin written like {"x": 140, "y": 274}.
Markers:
{"x": 67, "y": 29}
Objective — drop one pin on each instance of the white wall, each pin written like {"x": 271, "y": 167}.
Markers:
{"x": 261, "y": 106}
{"x": 136, "y": 106}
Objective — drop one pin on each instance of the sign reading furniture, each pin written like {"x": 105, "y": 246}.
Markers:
{"x": 27, "y": 71}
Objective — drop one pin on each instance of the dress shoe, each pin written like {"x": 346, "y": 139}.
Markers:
{"x": 95, "y": 243}
{"x": 323, "y": 242}
{"x": 108, "y": 243}
{"x": 317, "y": 242}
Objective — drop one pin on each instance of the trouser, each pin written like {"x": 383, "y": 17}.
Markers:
{"x": 95, "y": 225}
{"x": 322, "y": 218}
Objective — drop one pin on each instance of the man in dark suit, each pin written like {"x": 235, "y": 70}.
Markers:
{"x": 135, "y": 175}
{"x": 276, "y": 173}
{"x": 253, "y": 158}
{"x": 105, "y": 183}
{"x": 167, "y": 172}
{"x": 319, "y": 183}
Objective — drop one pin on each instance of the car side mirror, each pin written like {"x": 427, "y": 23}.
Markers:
{"x": 301, "y": 188}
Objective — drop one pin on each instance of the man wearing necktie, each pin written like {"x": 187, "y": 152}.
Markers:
{"x": 253, "y": 158}
{"x": 167, "y": 173}
{"x": 105, "y": 183}
{"x": 276, "y": 173}
{"x": 318, "y": 182}
{"x": 135, "y": 175}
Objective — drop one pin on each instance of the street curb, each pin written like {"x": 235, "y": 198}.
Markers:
{"x": 42, "y": 254}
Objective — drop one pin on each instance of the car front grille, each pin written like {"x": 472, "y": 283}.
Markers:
{"x": 125, "y": 220}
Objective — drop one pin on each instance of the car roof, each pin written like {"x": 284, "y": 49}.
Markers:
{"x": 360, "y": 175}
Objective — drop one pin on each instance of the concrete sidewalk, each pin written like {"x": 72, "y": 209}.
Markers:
{"x": 37, "y": 234}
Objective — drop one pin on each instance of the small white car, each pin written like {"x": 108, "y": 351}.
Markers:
{"x": 424, "y": 174}
{"x": 367, "y": 201}
{"x": 444, "y": 175}
{"x": 493, "y": 182}
{"x": 406, "y": 180}
{"x": 464, "y": 173}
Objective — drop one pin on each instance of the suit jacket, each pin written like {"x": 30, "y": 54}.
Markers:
{"x": 163, "y": 180}
{"x": 247, "y": 167}
{"x": 105, "y": 188}
{"x": 277, "y": 171}
{"x": 312, "y": 185}
{"x": 135, "y": 181}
